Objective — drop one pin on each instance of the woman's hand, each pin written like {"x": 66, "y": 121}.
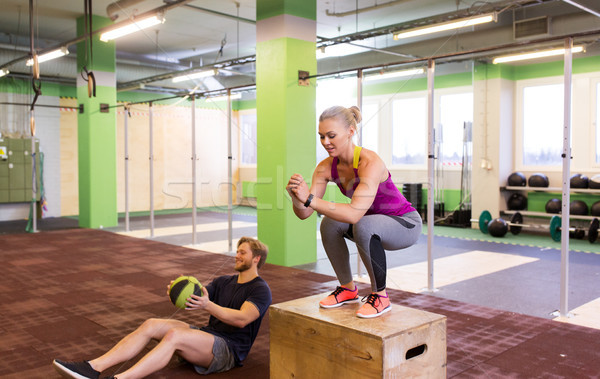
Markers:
{"x": 195, "y": 302}
{"x": 298, "y": 190}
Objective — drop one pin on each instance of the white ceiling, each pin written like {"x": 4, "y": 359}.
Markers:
{"x": 194, "y": 33}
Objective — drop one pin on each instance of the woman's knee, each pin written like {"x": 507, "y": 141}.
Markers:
{"x": 330, "y": 226}
{"x": 364, "y": 229}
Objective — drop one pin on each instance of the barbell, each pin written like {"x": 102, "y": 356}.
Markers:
{"x": 516, "y": 225}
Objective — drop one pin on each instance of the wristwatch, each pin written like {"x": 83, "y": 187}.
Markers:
{"x": 307, "y": 203}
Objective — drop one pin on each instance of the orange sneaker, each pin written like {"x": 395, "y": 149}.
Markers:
{"x": 375, "y": 306}
{"x": 340, "y": 296}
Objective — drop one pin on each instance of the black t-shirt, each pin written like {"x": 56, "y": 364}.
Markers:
{"x": 227, "y": 292}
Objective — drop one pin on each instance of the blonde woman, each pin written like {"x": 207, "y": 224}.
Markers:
{"x": 378, "y": 217}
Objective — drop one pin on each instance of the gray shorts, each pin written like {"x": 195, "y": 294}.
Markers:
{"x": 223, "y": 358}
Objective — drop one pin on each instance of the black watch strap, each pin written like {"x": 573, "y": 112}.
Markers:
{"x": 308, "y": 201}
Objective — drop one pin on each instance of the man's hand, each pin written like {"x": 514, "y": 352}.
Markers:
{"x": 195, "y": 302}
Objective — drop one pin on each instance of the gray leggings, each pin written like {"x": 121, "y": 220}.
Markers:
{"x": 372, "y": 234}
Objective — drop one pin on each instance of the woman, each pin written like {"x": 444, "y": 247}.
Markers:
{"x": 377, "y": 218}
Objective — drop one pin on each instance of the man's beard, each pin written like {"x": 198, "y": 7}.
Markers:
{"x": 242, "y": 267}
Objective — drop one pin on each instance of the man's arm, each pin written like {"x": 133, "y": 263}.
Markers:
{"x": 234, "y": 317}
{"x": 238, "y": 318}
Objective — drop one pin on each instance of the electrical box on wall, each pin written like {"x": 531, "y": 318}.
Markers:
{"x": 15, "y": 170}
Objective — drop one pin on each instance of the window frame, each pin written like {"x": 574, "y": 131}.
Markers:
{"x": 240, "y": 114}
{"x": 438, "y": 112}
{"x": 437, "y": 94}
{"x": 519, "y": 127}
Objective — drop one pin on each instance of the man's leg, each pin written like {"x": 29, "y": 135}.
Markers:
{"x": 134, "y": 343}
{"x": 195, "y": 346}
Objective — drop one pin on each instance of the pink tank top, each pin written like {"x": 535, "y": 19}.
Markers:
{"x": 388, "y": 200}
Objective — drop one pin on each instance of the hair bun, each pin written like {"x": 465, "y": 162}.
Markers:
{"x": 356, "y": 112}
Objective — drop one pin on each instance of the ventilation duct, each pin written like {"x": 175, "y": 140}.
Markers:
{"x": 533, "y": 27}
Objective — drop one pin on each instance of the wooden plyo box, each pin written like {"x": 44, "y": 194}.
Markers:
{"x": 307, "y": 341}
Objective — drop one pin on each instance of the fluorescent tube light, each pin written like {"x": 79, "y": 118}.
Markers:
{"x": 132, "y": 27}
{"x": 234, "y": 96}
{"x": 195, "y": 75}
{"x": 535, "y": 54}
{"x": 462, "y": 23}
{"x": 395, "y": 74}
{"x": 4, "y": 72}
{"x": 49, "y": 56}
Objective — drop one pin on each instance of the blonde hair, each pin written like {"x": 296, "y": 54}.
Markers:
{"x": 258, "y": 249}
{"x": 348, "y": 116}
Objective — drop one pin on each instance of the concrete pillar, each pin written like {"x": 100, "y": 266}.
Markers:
{"x": 97, "y": 132}
{"x": 286, "y": 124}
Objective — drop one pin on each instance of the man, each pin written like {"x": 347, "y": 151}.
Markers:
{"x": 236, "y": 304}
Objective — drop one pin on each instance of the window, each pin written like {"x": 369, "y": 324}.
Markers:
{"x": 542, "y": 124}
{"x": 409, "y": 131}
{"x": 330, "y": 92}
{"x": 455, "y": 110}
{"x": 370, "y": 126}
{"x": 248, "y": 136}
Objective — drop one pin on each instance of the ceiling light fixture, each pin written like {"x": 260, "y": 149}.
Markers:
{"x": 49, "y": 56}
{"x": 3, "y": 72}
{"x": 132, "y": 27}
{"x": 450, "y": 25}
{"x": 234, "y": 96}
{"x": 195, "y": 75}
{"x": 535, "y": 54}
{"x": 394, "y": 74}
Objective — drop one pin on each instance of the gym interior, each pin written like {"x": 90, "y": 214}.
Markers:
{"x": 126, "y": 162}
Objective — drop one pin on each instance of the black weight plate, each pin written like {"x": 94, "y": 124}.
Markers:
{"x": 517, "y": 218}
{"x": 593, "y": 230}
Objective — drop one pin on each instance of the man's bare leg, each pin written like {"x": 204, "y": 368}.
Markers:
{"x": 134, "y": 343}
{"x": 193, "y": 345}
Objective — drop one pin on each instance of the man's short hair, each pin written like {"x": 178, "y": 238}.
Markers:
{"x": 258, "y": 249}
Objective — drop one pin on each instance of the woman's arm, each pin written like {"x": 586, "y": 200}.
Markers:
{"x": 370, "y": 171}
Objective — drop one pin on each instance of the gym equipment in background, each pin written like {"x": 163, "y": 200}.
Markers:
{"x": 538, "y": 180}
{"x": 578, "y": 207}
{"x": 516, "y": 225}
{"x": 579, "y": 181}
{"x": 517, "y": 179}
{"x": 516, "y": 202}
{"x": 553, "y": 206}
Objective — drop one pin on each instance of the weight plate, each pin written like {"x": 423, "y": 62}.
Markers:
{"x": 517, "y": 218}
{"x": 555, "y": 223}
{"x": 484, "y": 219}
{"x": 593, "y": 231}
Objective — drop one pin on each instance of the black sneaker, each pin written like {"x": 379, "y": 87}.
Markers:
{"x": 77, "y": 370}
